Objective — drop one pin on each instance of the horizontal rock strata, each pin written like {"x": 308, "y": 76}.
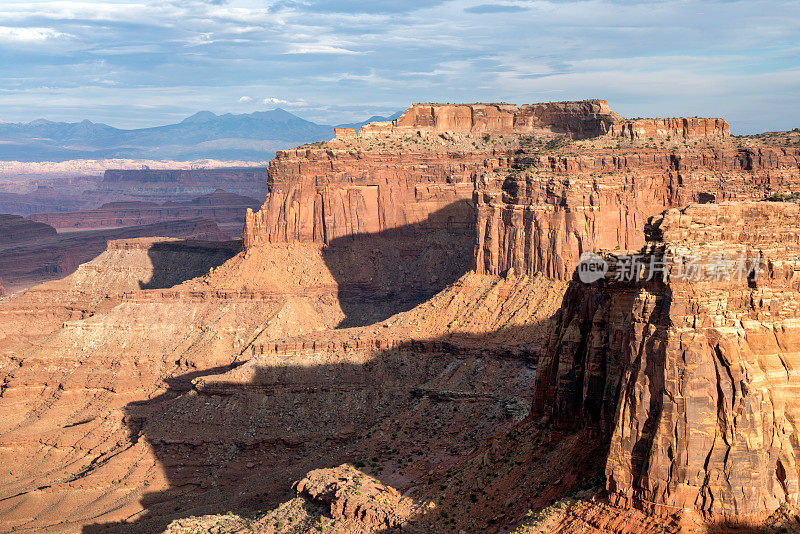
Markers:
{"x": 539, "y": 214}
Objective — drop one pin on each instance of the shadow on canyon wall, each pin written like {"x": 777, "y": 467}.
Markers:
{"x": 238, "y": 443}
{"x": 385, "y": 273}
{"x": 175, "y": 262}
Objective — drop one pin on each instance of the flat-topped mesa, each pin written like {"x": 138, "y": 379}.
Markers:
{"x": 690, "y": 375}
{"x": 579, "y": 119}
{"x": 574, "y": 119}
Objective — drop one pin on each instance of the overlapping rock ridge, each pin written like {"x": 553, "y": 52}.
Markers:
{"x": 539, "y": 206}
{"x": 220, "y": 206}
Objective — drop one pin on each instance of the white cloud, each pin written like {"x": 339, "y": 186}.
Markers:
{"x": 246, "y": 99}
{"x": 280, "y": 102}
{"x": 313, "y": 48}
{"x": 30, "y": 35}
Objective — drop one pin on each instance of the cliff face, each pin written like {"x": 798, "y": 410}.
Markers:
{"x": 538, "y": 214}
{"x": 15, "y": 230}
{"x": 319, "y": 195}
{"x": 168, "y": 379}
{"x": 686, "y": 128}
{"x": 690, "y": 380}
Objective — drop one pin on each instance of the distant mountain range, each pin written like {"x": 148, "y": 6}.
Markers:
{"x": 254, "y": 136}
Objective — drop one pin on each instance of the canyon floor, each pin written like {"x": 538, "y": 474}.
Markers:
{"x": 398, "y": 343}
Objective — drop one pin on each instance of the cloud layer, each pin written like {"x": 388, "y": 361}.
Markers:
{"x": 142, "y": 62}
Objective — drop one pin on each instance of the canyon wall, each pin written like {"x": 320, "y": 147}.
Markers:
{"x": 540, "y": 213}
{"x": 690, "y": 377}
{"x": 682, "y": 127}
{"x": 15, "y": 230}
{"x": 587, "y": 118}
{"x": 169, "y": 379}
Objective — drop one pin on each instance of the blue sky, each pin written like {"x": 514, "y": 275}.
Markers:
{"x": 138, "y": 63}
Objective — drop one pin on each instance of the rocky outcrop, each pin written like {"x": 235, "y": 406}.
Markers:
{"x": 339, "y": 500}
{"x": 689, "y": 376}
{"x": 344, "y": 133}
{"x": 355, "y": 497}
{"x": 587, "y": 118}
{"x": 685, "y": 128}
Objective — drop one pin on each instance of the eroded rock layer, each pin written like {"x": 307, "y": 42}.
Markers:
{"x": 538, "y": 214}
{"x": 319, "y": 195}
{"x": 165, "y": 380}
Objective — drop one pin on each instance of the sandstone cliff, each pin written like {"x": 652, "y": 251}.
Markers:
{"x": 318, "y": 195}
{"x": 587, "y": 118}
{"x": 165, "y": 380}
{"x": 538, "y": 214}
{"x": 690, "y": 380}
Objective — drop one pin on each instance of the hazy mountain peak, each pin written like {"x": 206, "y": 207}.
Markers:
{"x": 200, "y": 117}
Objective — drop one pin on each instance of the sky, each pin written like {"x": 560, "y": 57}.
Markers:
{"x": 139, "y": 63}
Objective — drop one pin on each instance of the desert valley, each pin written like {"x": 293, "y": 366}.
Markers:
{"x": 390, "y": 331}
